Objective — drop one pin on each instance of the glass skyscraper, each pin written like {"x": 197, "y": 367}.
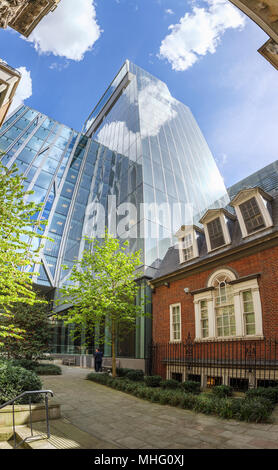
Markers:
{"x": 139, "y": 146}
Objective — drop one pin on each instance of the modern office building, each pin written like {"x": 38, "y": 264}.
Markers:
{"x": 265, "y": 14}
{"x": 24, "y": 15}
{"x": 9, "y": 80}
{"x": 138, "y": 147}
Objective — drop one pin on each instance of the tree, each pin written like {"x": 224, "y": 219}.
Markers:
{"x": 103, "y": 291}
{"x": 18, "y": 228}
{"x": 33, "y": 322}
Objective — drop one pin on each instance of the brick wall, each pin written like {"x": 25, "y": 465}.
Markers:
{"x": 264, "y": 262}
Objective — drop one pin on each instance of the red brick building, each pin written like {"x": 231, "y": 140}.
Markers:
{"x": 215, "y": 297}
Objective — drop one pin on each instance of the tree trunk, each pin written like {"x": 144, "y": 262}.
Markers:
{"x": 113, "y": 350}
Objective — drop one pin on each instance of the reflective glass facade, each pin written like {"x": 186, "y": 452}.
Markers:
{"x": 140, "y": 146}
{"x": 167, "y": 160}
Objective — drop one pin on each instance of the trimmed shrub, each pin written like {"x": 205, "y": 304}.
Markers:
{"x": 25, "y": 363}
{"x": 48, "y": 369}
{"x": 188, "y": 401}
{"x": 191, "y": 387}
{"x": 99, "y": 378}
{"x": 222, "y": 391}
{"x": 16, "y": 380}
{"x": 121, "y": 372}
{"x": 175, "y": 399}
{"x": 205, "y": 404}
{"x": 153, "y": 380}
{"x": 135, "y": 375}
{"x": 271, "y": 393}
{"x": 165, "y": 397}
{"x": 170, "y": 384}
{"x": 256, "y": 409}
{"x": 155, "y": 396}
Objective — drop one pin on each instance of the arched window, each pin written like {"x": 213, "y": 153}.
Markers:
{"x": 228, "y": 307}
{"x": 224, "y": 306}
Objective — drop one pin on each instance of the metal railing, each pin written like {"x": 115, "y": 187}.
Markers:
{"x": 31, "y": 437}
{"x": 237, "y": 362}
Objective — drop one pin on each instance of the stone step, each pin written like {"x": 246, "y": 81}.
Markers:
{"x": 64, "y": 435}
{"x": 6, "y": 445}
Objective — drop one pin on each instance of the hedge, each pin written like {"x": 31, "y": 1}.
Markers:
{"x": 253, "y": 409}
{"x": 222, "y": 391}
{"x": 47, "y": 369}
{"x": 153, "y": 380}
{"x": 191, "y": 387}
{"x": 16, "y": 380}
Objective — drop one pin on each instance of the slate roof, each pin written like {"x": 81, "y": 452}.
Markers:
{"x": 171, "y": 262}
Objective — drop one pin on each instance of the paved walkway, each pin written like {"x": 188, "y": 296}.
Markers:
{"x": 124, "y": 421}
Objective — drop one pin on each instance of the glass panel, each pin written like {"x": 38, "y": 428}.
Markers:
{"x": 252, "y": 215}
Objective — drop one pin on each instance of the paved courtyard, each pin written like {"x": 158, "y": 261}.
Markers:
{"x": 124, "y": 421}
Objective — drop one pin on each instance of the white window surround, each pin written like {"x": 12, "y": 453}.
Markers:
{"x": 246, "y": 195}
{"x": 238, "y": 289}
{"x": 172, "y": 340}
{"x": 211, "y": 215}
{"x": 183, "y": 233}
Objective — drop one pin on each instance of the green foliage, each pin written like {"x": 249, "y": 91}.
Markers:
{"x": 25, "y": 363}
{"x": 33, "y": 321}
{"x": 256, "y": 410}
{"x": 103, "y": 291}
{"x": 48, "y": 369}
{"x": 135, "y": 375}
{"x": 153, "y": 380}
{"x": 252, "y": 409}
{"x": 190, "y": 386}
{"x": 16, "y": 380}
{"x": 271, "y": 393}
{"x": 18, "y": 230}
{"x": 122, "y": 372}
{"x": 205, "y": 404}
{"x": 171, "y": 384}
{"x": 188, "y": 401}
{"x": 222, "y": 391}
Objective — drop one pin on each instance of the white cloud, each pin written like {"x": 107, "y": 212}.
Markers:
{"x": 198, "y": 33}
{"x": 70, "y": 31}
{"x": 169, "y": 11}
{"x": 155, "y": 100}
{"x": 24, "y": 89}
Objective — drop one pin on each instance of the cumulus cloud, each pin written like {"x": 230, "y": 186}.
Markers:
{"x": 155, "y": 98}
{"x": 198, "y": 33}
{"x": 70, "y": 31}
{"x": 24, "y": 89}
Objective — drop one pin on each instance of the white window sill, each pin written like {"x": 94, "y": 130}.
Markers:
{"x": 257, "y": 231}
{"x": 228, "y": 338}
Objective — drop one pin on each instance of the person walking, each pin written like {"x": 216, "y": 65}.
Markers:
{"x": 98, "y": 360}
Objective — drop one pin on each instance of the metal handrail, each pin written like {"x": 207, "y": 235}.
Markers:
{"x": 12, "y": 402}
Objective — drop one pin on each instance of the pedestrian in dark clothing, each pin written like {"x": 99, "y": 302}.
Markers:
{"x": 98, "y": 360}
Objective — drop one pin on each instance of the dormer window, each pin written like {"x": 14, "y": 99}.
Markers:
{"x": 216, "y": 226}
{"x": 215, "y": 233}
{"x": 188, "y": 242}
{"x": 187, "y": 247}
{"x": 252, "y": 215}
{"x": 252, "y": 209}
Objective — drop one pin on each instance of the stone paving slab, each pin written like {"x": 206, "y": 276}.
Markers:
{"x": 125, "y": 421}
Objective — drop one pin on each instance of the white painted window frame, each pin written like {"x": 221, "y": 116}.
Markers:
{"x": 225, "y": 230}
{"x": 172, "y": 340}
{"x": 262, "y": 204}
{"x": 238, "y": 290}
{"x": 194, "y": 245}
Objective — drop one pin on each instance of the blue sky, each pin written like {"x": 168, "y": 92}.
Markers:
{"x": 204, "y": 50}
